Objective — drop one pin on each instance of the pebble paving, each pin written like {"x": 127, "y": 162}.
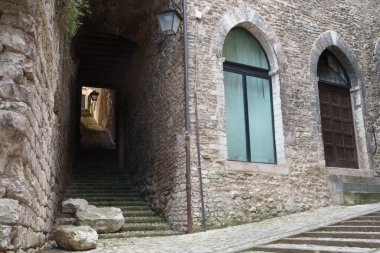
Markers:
{"x": 237, "y": 238}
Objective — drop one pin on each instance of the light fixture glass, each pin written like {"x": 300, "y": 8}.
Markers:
{"x": 169, "y": 21}
{"x": 94, "y": 95}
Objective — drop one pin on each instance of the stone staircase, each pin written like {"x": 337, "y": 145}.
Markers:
{"x": 104, "y": 186}
{"x": 361, "y": 234}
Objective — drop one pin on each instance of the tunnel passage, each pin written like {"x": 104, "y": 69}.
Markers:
{"x": 116, "y": 50}
{"x": 103, "y": 63}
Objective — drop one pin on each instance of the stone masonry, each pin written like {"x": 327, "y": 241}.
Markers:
{"x": 155, "y": 116}
{"x": 39, "y": 111}
{"x": 34, "y": 121}
{"x": 293, "y": 34}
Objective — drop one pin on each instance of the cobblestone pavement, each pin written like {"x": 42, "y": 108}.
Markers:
{"x": 237, "y": 238}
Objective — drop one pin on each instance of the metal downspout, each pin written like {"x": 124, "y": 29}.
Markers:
{"x": 187, "y": 118}
{"x": 199, "y": 164}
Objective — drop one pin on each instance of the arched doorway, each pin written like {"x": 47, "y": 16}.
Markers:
{"x": 336, "y": 113}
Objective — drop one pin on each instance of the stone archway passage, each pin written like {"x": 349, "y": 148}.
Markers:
{"x": 104, "y": 58}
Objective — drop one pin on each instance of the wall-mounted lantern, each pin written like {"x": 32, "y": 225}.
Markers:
{"x": 94, "y": 95}
{"x": 170, "y": 18}
{"x": 169, "y": 21}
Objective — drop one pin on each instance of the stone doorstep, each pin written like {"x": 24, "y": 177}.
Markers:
{"x": 302, "y": 229}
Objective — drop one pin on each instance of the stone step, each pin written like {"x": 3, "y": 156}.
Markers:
{"x": 135, "y": 208}
{"x": 65, "y": 221}
{"x": 368, "y": 217}
{"x": 339, "y": 242}
{"x": 101, "y": 195}
{"x": 254, "y": 251}
{"x": 65, "y": 215}
{"x": 301, "y": 248}
{"x": 98, "y": 175}
{"x": 342, "y": 234}
{"x": 147, "y": 219}
{"x": 118, "y": 203}
{"x": 100, "y": 186}
{"x": 139, "y": 234}
{"x": 112, "y": 199}
{"x": 104, "y": 182}
{"x": 128, "y": 220}
{"x": 98, "y": 191}
{"x": 139, "y": 213}
{"x": 351, "y": 228}
{"x": 106, "y": 190}
{"x": 360, "y": 223}
{"x": 145, "y": 227}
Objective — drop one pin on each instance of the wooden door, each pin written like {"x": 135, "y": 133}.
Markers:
{"x": 337, "y": 126}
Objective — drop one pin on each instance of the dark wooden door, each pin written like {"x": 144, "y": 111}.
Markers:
{"x": 337, "y": 126}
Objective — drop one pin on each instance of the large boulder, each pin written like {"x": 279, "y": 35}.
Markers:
{"x": 102, "y": 219}
{"x": 75, "y": 238}
{"x": 74, "y": 205}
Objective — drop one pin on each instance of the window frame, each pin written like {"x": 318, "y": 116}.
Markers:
{"x": 247, "y": 70}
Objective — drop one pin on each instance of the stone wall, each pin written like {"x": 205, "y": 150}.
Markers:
{"x": 155, "y": 126}
{"x": 35, "y": 90}
{"x": 288, "y": 30}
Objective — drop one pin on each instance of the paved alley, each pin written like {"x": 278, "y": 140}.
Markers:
{"x": 237, "y": 238}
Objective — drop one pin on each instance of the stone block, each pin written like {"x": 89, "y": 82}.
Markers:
{"x": 75, "y": 238}
{"x": 16, "y": 40}
{"x": 5, "y": 238}
{"x": 9, "y": 211}
{"x": 27, "y": 238}
{"x": 19, "y": 20}
{"x": 102, "y": 219}
{"x": 74, "y": 205}
{"x": 12, "y": 121}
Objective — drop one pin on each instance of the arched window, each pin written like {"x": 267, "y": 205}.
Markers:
{"x": 336, "y": 113}
{"x": 248, "y": 99}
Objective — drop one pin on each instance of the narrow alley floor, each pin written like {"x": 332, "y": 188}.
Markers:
{"x": 92, "y": 134}
{"x": 237, "y": 238}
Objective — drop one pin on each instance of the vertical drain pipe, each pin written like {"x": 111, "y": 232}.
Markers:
{"x": 187, "y": 118}
{"x": 199, "y": 164}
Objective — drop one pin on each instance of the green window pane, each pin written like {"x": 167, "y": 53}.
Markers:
{"x": 234, "y": 106}
{"x": 241, "y": 47}
{"x": 260, "y": 120}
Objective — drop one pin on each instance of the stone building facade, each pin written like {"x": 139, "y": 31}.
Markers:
{"x": 38, "y": 108}
{"x": 293, "y": 35}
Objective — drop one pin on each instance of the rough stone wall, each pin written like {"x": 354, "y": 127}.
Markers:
{"x": 155, "y": 126}
{"x": 34, "y": 121}
{"x": 242, "y": 192}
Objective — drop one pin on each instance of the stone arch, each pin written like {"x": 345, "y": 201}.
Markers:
{"x": 333, "y": 42}
{"x": 250, "y": 20}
